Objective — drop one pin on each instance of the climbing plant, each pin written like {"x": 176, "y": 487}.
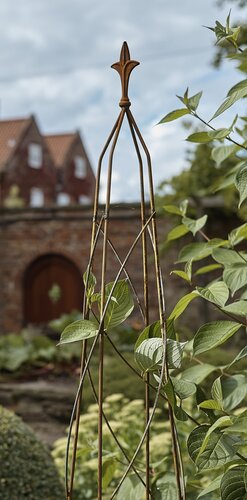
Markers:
{"x": 210, "y": 419}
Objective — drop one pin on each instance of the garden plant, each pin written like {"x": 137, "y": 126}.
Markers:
{"x": 27, "y": 470}
{"x": 199, "y": 406}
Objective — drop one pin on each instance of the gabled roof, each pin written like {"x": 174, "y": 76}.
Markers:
{"x": 59, "y": 145}
{"x": 11, "y": 132}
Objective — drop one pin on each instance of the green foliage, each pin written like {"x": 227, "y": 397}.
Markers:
{"x": 27, "y": 350}
{"x": 27, "y": 470}
{"x": 124, "y": 418}
{"x": 207, "y": 400}
{"x": 221, "y": 415}
{"x": 119, "y": 301}
{"x": 213, "y": 334}
{"x": 79, "y": 330}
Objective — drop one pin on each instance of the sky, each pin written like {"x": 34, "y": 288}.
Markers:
{"x": 55, "y": 63}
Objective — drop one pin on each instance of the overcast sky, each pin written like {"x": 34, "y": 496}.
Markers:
{"x": 55, "y": 62}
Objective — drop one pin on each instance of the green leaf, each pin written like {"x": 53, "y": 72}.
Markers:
{"x": 221, "y": 153}
{"x": 121, "y": 305}
{"x": 108, "y": 470}
{"x": 216, "y": 292}
{"x": 193, "y": 101}
{"x": 234, "y": 390}
{"x": 151, "y": 331}
{"x": 210, "y": 404}
{"x": 79, "y": 330}
{"x": 213, "y": 334}
{"x": 238, "y": 308}
{"x": 229, "y": 178}
{"x": 220, "y": 133}
{"x": 224, "y": 421}
{"x": 218, "y": 451}
{"x": 183, "y": 207}
{"x": 216, "y": 391}
{"x": 90, "y": 282}
{"x": 166, "y": 488}
{"x": 200, "y": 137}
{"x": 238, "y": 234}
{"x": 229, "y": 101}
{"x": 208, "y": 269}
{"x": 188, "y": 268}
{"x": 241, "y": 184}
{"x": 172, "y": 209}
{"x": 170, "y": 394}
{"x": 235, "y": 276}
{"x": 177, "y": 232}
{"x": 182, "y": 304}
{"x": 174, "y": 115}
{"x": 233, "y": 484}
{"x": 194, "y": 225}
{"x": 198, "y": 373}
{"x": 240, "y": 424}
{"x": 238, "y": 86}
{"x": 183, "y": 388}
{"x": 228, "y": 257}
{"x": 240, "y": 355}
{"x": 149, "y": 353}
{"x": 198, "y": 251}
{"x": 175, "y": 353}
{"x": 131, "y": 489}
{"x": 181, "y": 274}
{"x": 243, "y": 295}
{"x": 214, "y": 485}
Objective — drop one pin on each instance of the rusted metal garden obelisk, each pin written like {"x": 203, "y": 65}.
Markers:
{"x": 147, "y": 236}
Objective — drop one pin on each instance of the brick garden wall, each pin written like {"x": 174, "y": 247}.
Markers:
{"x": 27, "y": 234}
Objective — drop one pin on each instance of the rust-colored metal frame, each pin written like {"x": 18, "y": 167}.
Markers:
{"x": 100, "y": 228}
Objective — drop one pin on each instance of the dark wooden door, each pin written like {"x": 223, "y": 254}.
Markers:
{"x": 53, "y": 286}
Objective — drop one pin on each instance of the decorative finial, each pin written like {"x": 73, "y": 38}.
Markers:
{"x": 124, "y": 67}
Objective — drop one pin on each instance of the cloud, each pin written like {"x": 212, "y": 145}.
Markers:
{"x": 56, "y": 56}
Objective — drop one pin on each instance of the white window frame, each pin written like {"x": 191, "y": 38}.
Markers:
{"x": 34, "y": 155}
{"x": 84, "y": 199}
{"x": 63, "y": 199}
{"x": 37, "y": 198}
{"x": 80, "y": 167}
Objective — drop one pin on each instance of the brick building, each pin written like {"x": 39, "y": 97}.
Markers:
{"x": 37, "y": 170}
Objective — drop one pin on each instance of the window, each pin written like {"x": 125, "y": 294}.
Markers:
{"x": 80, "y": 167}
{"x": 34, "y": 155}
{"x": 36, "y": 197}
{"x": 63, "y": 199}
{"x": 84, "y": 200}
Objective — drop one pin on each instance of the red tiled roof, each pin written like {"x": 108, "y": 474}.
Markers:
{"x": 10, "y": 134}
{"x": 59, "y": 145}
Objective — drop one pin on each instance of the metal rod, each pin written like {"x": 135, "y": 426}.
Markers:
{"x": 112, "y": 431}
{"x": 69, "y": 485}
{"x": 127, "y": 276}
{"x": 77, "y": 420}
{"x": 161, "y": 302}
{"x": 145, "y": 293}
{"x": 103, "y": 283}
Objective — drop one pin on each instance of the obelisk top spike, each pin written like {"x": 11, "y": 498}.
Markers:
{"x": 124, "y": 67}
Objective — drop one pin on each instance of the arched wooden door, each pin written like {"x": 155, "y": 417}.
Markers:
{"x": 53, "y": 285}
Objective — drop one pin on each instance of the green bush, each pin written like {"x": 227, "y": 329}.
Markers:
{"x": 27, "y": 470}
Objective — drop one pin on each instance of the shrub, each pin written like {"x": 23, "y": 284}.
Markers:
{"x": 27, "y": 470}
